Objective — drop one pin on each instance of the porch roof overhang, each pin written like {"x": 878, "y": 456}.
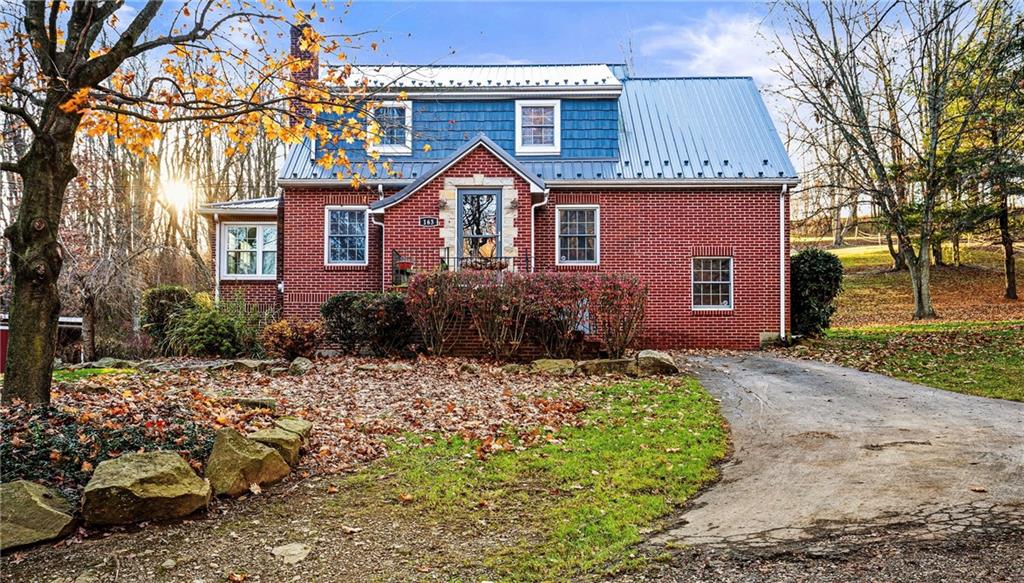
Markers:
{"x": 258, "y": 207}
{"x": 537, "y": 184}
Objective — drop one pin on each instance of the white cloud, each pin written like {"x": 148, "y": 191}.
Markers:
{"x": 717, "y": 44}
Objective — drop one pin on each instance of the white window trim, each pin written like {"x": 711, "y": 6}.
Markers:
{"x": 732, "y": 284}
{"x": 222, "y": 252}
{"x": 327, "y": 234}
{"x": 597, "y": 232}
{"x": 535, "y": 150}
{"x": 398, "y": 148}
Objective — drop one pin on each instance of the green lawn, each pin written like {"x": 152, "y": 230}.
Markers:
{"x": 976, "y": 358}
{"x": 583, "y": 496}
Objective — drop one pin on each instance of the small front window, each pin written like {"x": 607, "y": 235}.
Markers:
{"x": 250, "y": 250}
{"x": 538, "y": 125}
{"x": 394, "y": 121}
{"x": 712, "y": 283}
{"x": 578, "y": 230}
{"x": 346, "y": 236}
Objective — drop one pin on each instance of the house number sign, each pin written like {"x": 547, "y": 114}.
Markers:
{"x": 428, "y": 221}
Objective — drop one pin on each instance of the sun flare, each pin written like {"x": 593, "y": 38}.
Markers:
{"x": 177, "y": 193}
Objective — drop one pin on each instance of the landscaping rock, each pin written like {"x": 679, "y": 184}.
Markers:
{"x": 143, "y": 486}
{"x": 237, "y": 462}
{"x": 603, "y": 366}
{"x": 469, "y": 367}
{"x": 367, "y": 367}
{"x": 108, "y": 362}
{"x": 515, "y": 369}
{"x": 655, "y": 362}
{"x": 30, "y": 513}
{"x": 285, "y": 442}
{"x": 398, "y": 367}
{"x": 252, "y": 402}
{"x": 300, "y": 366}
{"x": 278, "y": 371}
{"x": 291, "y": 553}
{"x": 246, "y": 365}
{"x": 301, "y": 427}
{"x": 553, "y": 366}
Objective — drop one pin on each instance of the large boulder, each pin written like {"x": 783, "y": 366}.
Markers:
{"x": 300, "y": 366}
{"x": 655, "y": 362}
{"x": 143, "y": 486}
{"x": 285, "y": 442}
{"x": 299, "y": 426}
{"x": 603, "y": 366}
{"x": 237, "y": 463}
{"x": 553, "y": 366}
{"x": 30, "y": 513}
{"x": 109, "y": 362}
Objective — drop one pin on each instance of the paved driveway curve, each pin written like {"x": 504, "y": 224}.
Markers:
{"x": 825, "y": 453}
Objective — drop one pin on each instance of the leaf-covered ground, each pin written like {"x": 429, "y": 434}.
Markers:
{"x": 975, "y": 358}
{"x": 502, "y": 505}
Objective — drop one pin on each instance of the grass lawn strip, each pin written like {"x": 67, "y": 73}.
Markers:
{"x": 642, "y": 450}
{"x": 976, "y": 358}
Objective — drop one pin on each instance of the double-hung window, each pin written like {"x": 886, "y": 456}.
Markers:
{"x": 712, "y": 283}
{"x": 347, "y": 235}
{"x": 579, "y": 231}
{"x": 250, "y": 251}
{"x": 480, "y": 222}
{"x": 394, "y": 121}
{"x": 538, "y": 127}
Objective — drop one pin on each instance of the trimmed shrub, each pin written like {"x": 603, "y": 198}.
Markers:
{"x": 436, "y": 303}
{"x": 617, "y": 304}
{"x": 292, "y": 338}
{"x": 560, "y": 314}
{"x": 159, "y": 304}
{"x": 342, "y": 319}
{"x": 500, "y": 306}
{"x": 384, "y": 323}
{"x": 227, "y": 329}
{"x": 817, "y": 278}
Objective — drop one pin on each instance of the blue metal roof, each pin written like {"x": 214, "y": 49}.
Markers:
{"x": 670, "y": 128}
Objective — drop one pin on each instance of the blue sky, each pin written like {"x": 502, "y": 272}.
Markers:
{"x": 667, "y": 38}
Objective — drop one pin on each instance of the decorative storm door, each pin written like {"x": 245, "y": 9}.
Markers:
{"x": 479, "y": 224}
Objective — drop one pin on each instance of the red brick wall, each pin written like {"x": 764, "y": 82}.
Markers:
{"x": 401, "y": 221}
{"x": 655, "y": 235}
{"x": 261, "y": 293}
{"x": 308, "y": 282}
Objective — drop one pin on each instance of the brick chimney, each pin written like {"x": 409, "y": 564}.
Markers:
{"x": 308, "y": 73}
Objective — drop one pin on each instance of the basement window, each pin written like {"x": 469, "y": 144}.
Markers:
{"x": 712, "y": 283}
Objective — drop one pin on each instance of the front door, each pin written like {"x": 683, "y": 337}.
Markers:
{"x": 479, "y": 223}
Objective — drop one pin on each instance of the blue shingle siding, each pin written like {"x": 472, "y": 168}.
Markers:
{"x": 589, "y": 128}
{"x": 683, "y": 128}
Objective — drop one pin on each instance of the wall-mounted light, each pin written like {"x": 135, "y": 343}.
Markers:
{"x": 441, "y": 203}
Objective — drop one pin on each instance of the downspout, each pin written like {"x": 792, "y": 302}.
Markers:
{"x": 782, "y": 262}
{"x": 216, "y": 257}
{"x": 533, "y": 234}
{"x": 383, "y": 262}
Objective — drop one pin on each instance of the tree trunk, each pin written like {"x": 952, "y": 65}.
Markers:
{"x": 1009, "y": 266}
{"x": 36, "y": 261}
{"x": 89, "y": 326}
{"x": 937, "y": 253}
{"x": 920, "y": 281}
{"x": 899, "y": 262}
{"x": 956, "y": 249}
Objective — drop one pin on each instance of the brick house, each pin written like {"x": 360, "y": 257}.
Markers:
{"x": 682, "y": 182}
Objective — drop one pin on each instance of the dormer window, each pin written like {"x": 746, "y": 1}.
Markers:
{"x": 538, "y": 127}
{"x": 395, "y": 121}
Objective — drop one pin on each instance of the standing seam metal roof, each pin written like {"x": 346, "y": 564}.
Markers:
{"x": 670, "y": 128}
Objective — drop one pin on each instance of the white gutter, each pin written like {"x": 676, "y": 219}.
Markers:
{"x": 782, "y": 262}
{"x": 333, "y": 180}
{"x": 673, "y": 183}
{"x": 216, "y": 257}
{"x": 533, "y": 230}
{"x": 383, "y": 262}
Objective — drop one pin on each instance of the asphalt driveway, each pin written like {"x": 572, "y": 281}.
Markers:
{"x": 826, "y": 456}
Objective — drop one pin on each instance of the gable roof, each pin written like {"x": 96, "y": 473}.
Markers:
{"x": 480, "y": 141}
{"x": 672, "y": 130}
